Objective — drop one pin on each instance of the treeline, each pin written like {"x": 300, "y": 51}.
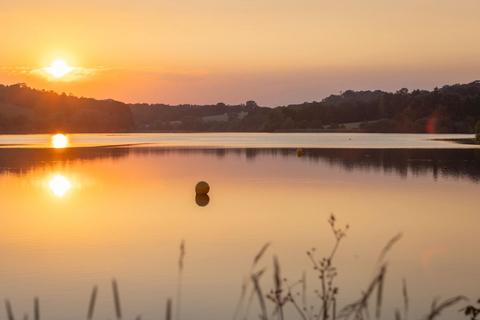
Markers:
{"x": 450, "y": 109}
{"x": 25, "y": 110}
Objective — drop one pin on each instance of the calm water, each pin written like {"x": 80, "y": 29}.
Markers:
{"x": 76, "y": 217}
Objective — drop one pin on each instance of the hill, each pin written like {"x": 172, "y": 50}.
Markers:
{"x": 450, "y": 109}
{"x": 25, "y": 110}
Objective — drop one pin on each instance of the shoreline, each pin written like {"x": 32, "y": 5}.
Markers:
{"x": 461, "y": 141}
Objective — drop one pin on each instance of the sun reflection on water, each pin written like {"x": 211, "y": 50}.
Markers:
{"x": 59, "y": 185}
{"x": 60, "y": 141}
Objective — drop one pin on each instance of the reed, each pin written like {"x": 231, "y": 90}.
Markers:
{"x": 438, "y": 307}
{"x": 247, "y": 282}
{"x": 168, "y": 310}
{"x": 92, "y": 302}
{"x": 116, "y": 300}
{"x": 258, "y": 290}
{"x": 406, "y": 302}
{"x": 278, "y": 290}
{"x": 180, "y": 279}
{"x": 36, "y": 309}
{"x": 9, "y": 310}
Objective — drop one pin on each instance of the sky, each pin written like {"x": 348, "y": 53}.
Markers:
{"x": 275, "y": 52}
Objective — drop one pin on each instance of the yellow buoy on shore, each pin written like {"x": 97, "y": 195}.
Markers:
{"x": 202, "y": 188}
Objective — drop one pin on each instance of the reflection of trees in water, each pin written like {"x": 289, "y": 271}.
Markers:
{"x": 402, "y": 162}
{"x": 19, "y": 161}
{"x": 457, "y": 163}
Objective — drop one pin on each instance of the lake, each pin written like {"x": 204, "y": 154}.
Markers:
{"x": 119, "y": 205}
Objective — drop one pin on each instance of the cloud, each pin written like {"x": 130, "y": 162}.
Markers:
{"x": 75, "y": 74}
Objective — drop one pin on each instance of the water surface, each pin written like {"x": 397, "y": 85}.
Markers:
{"x": 248, "y": 140}
{"x": 76, "y": 217}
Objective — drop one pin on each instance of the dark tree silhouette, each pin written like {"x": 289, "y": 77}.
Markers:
{"x": 450, "y": 109}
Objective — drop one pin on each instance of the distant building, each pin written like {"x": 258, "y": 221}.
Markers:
{"x": 216, "y": 118}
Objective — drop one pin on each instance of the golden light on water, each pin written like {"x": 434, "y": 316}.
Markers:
{"x": 58, "y": 69}
{"x": 59, "y": 185}
{"x": 59, "y": 141}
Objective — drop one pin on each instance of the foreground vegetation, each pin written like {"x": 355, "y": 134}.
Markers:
{"x": 450, "y": 109}
{"x": 286, "y": 295}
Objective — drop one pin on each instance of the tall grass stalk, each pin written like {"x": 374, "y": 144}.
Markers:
{"x": 116, "y": 299}
{"x": 92, "y": 302}
{"x": 36, "y": 309}
{"x": 277, "y": 280}
{"x": 438, "y": 307}
{"x": 258, "y": 290}
{"x": 168, "y": 310}
{"x": 9, "y": 310}
{"x": 180, "y": 279}
{"x": 248, "y": 281}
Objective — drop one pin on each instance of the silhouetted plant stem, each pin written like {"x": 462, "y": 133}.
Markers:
{"x": 36, "y": 309}
{"x": 168, "y": 310}
{"x": 405, "y": 299}
{"x": 91, "y": 304}
{"x": 8, "y": 308}
{"x": 437, "y": 308}
{"x": 246, "y": 282}
{"x": 277, "y": 279}
{"x": 258, "y": 290}
{"x": 116, "y": 299}
{"x": 180, "y": 279}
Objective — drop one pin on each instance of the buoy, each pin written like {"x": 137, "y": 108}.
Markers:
{"x": 300, "y": 152}
{"x": 202, "y": 188}
{"x": 202, "y": 199}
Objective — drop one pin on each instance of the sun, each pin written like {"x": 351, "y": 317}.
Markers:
{"x": 58, "y": 69}
{"x": 59, "y": 141}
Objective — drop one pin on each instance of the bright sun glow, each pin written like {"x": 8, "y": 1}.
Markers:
{"x": 59, "y": 185}
{"x": 59, "y": 141}
{"x": 58, "y": 69}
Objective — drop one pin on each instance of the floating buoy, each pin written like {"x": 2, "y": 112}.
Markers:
{"x": 300, "y": 152}
{"x": 202, "y": 188}
{"x": 202, "y": 199}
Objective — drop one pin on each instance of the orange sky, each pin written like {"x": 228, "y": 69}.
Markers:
{"x": 275, "y": 52}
